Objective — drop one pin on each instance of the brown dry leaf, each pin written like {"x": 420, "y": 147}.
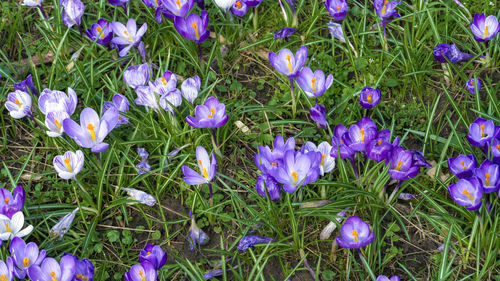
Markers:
{"x": 432, "y": 172}
{"x": 222, "y": 39}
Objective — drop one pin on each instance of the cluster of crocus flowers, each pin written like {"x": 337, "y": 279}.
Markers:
{"x": 11, "y": 215}
{"x": 151, "y": 259}
{"x": 354, "y": 234}
{"x": 128, "y": 36}
{"x": 69, "y": 268}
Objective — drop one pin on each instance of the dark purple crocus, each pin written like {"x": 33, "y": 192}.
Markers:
{"x": 269, "y": 184}
{"x": 369, "y": 97}
{"x": 360, "y": 134}
{"x": 354, "y": 234}
{"x": 250, "y": 241}
{"x": 298, "y": 169}
{"x": 153, "y": 254}
{"x": 284, "y": 33}
{"x": 473, "y": 84}
{"x": 481, "y": 131}
{"x": 379, "y": 149}
{"x": 462, "y": 166}
{"x": 137, "y": 75}
{"x": 451, "y": 52}
{"x": 72, "y": 12}
{"x": 177, "y": 8}
{"x": 27, "y": 86}
{"x": 120, "y": 3}
{"x": 239, "y": 8}
{"x": 314, "y": 83}
{"x": 468, "y": 193}
{"x": 484, "y": 28}
{"x": 253, "y": 3}
{"x": 494, "y": 149}
{"x": 339, "y": 145}
{"x": 100, "y": 31}
{"x": 120, "y": 102}
{"x": 193, "y": 27}
{"x": 318, "y": 114}
{"x": 488, "y": 174}
{"x": 214, "y": 273}
{"x": 141, "y": 272}
{"x": 337, "y": 9}
{"x": 51, "y": 270}
{"x": 25, "y": 255}
{"x": 211, "y": 114}
{"x": 419, "y": 159}
{"x": 287, "y": 63}
{"x": 385, "y": 278}
{"x": 401, "y": 167}
{"x": 11, "y": 203}
{"x": 84, "y": 269}
{"x": 7, "y": 269}
{"x": 159, "y": 9}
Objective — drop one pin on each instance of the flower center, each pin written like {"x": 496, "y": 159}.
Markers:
{"x": 164, "y": 81}
{"x": 238, "y": 4}
{"x": 18, "y": 103}
{"x": 369, "y": 98}
{"x": 3, "y": 278}
{"x": 99, "y": 29}
{"x": 498, "y": 146}
{"x": 355, "y": 235}
{"x": 149, "y": 253}
{"x": 6, "y": 200}
{"x": 398, "y": 167}
{"x": 290, "y": 68}
{"x": 195, "y": 27}
{"x": 482, "y": 131}
{"x": 178, "y": 2}
{"x": 91, "y": 128}
{"x": 204, "y": 171}
{"x": 463, "y": 165}
{"x": 313, "y": 84}
{"x": 129, "y": 38}
{"x": 68, "y": 165}
{"x": 7, "y": 227}
{"x": 486, "y": 33}
{"x": 362, "y": 132}
{"x": 26, "y": 262}
{"x": 379, "y": 142}
{"x": 295, "y": 175}
{"x": 53, "y": 274}
{"x": 274, "y": 164}
{"x": 487, "y": 179}
{"x": 322, "y": 163}
{"x": 212, "y": 112}
{"x": 338, "y": 8}
{"x": 472, "y": 82}
{"x": 384, "y": 9}
{"x": 468, "y": 194}
{"x": 58, "y": 125}
{"x": 141, "y": 274}
{"x": 83, "y": 277}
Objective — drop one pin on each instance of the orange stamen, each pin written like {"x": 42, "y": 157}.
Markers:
{"x": 238, "y": 4}
{"x": 313, "y": 83}
{"x": 384, "y": 9}
{"x": 295, "y": 175}
{"x": 355, "y": 235}
{"x": 195, "y": 27}
{"x": 362, "y": 132}
{"x": 26, "y": 262}
{"x": 18, "y": 103}
{"x": 290, "y": 68}
{"x": 91, "y": 128}
{"x": 398, "y": 167}
{"x": 6, "y": 200}
{"x": 68, "y": 165}
{"x": 470, "y": 196}
{"x": 487, "y": 180}
{"x": 212, "y": 112}
{"x": 369, "y": 98}
{"x": 129, "y": 38}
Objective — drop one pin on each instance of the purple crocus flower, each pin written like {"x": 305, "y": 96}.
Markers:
{"x": 26, "y": 85}
{"x": 140, "y": 196}
{"x": 120, "y": 102}
{"x": 287, "y": 63}
{"x": 385, "y": 278}
{"x": 494, "y": 149}
{"x": 120, "y": 3}
{"x": 84, "y": 269}
{"x": 379, "y": 149}
{"x": 419, "y": 159}
{"x": 72, "y": 12}
{"x": 11, "y": 203}
{"x": 462, "y": 166}
{"x": 336, "y": 30}
{"x": 196, "y": 235}
{"x": 159, "y": 9}
{"x": 318, "y": 114}
{"x": 284, "y": 33}
{"x": 488, "y": 174}
{"x": 386, "y": 9}
{"x": 137, "y": 75}
{"x": 369, "y": 97}
{"x": 143, "y": 167}
{"x": 214, "y": 273}
{"x": 193, "y": 27}
{"x": 127, "y": 36}
{"x": 207, "y": 168}
{"x": 354, "y": 234}
{"x": 268, "y": 160}
{"x": 69, "y": 165}
{"x": 407, "y": 196}
{"x": 171, "y": 100}
{"x": 481, "y": 131}
{"x": 267, "y": 182}
{"x": 250, "y": 241}
{"x": 19, "y": 104}
{"x": 337, "y": 9}
{"x": 451, "y": 52}
{"x": 239, "y": 8}
{"x": 24, "y": 255}
{"x": 7, "y": 269}
{"x": 50, "y": 269}
{"x": 211, "y": 114}
{"x": 338, "y": 143}
{"x": 64, "y": 224}
{"x": 360, "y": 134}
{"x": 53, "y": 121}
{"x": 298, "y": 169}
{"x": 32, "y": 3}
{"x": 92, "y": 131}
{"x": 314, "y": 83}
{"x": 153, "y": 254}
{"x": 177, "y": 8}
{"x": 147, "y": 97}
{"x": 190, "y": 88}
{"x": 472, "y": 84}
{"x": 141, "y": 272}
{"x": 253, "y": 3}
{"x": 484, "y": 28}
{"x": 100, "y": 32}
{"x": 401, "y": 167}
{"x": 467, "y": 192}
{"x": 142, "y": 153}
{"x": 57, "y": 101}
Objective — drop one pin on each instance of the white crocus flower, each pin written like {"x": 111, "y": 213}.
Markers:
{"x": 10, "y": 228}
{"x": 327, "y": 162}
{"x": 225, "y": 4}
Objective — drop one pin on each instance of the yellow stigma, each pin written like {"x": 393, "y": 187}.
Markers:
{"x": 238, "y": 4}
{"x": 290, "y": 68}
{"x": 498, "y": 146}
{"x": 7, "y": 227}
{"x": 482, "y": 131}
{"x": 99, "y": 29}
{"x": 369, "y": 98}
{"x": 472, "y": 82}
{"x": 18, "y": 103}
{"x": 355, "y": 235}
{"x": 178, "y": 3}
{"x": 379, "y": 142}
{"x": 195, "y": 27}
{"x": 26, "y": 262}
{"x": 313, "y": 84}
{"x": 487, "y": 180}
{"x": 142, "y": 277}
{"x": 163, "y": 81}
{"x": 58, "y": 125}
{"x": 486, "y": 33}
{"x": 463, "y": 165}
{"x": 362, "y": 132}
{"x": 6, "y": 200}
{"x": 295, "y": 176}
{"x": 53, "y": 274}
{"x": 212, "y": 112}
{"x": 322, "y": 163}
{"x": 470, "y": 196}
{"x": 149, "y": 253}
{"x": 398, "y": 167}
{"x": 384, "y": 9}
{"x": 68, "y": 165}
{"x": 129, "y": 38}
{"x": 3, "y": 278}
{"x": 274, "y": 164}
{"x": 203, "y": 170}
{"x": 91, "y": 128}
{"x": 338, "y": 8}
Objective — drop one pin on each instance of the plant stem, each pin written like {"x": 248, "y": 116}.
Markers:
{"x": 294, "y": 105}
{"x": 354, "y": 167}
{"x": 214, "y": 142}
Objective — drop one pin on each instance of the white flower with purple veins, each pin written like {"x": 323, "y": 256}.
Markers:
{"x": 63, "y": 225}
{"x": 225, "y": 4}
{"x": 18, "y": 104}
{"x": 57, "y": 101}
{"x": 10, "y": 228}
{"x": 190, "y": 88}
{"x": 173, "y": 98}
{"x": 72, "y": 12}
{"x": 54, "y": 121}
{"x": 147, "y": 97}
{"x": 165, "y": 84}
{"x": 336, "y": 31}
{"x": 141, "y": 196}
{"x": 32, "y": 3}
{"x": 127, "y": 35}
{"x": 327, "y": 161}
{"x": 120, "y": 102}
{"x": 69, "y": 165}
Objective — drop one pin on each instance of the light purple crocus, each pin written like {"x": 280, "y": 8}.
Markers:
{"x": 26, "y": 85}
{"x": 69, "y": 165}
{"x": 32, "y": 3}
{"x": 7, "y": 269}
{"x": 484, "y": 28}
{"x": 92, "y": 131}
{"x": 207, "y": 168}
{"x": 143, "y": 167}
{"x": 51, "y": 270}
{"x": 137, "y": 75}
{"x": 268, "y": 160}
{"x": 141, "y": 272}
{"x": 442, "y": 52}
{"x": 147, "y": 97}
{"x": 140, "y": 196}
{"x": 72, "y": 12}
{"x": 100, "y": 32}
{"x": 369, "y": 97}
{"x": 171, "y": 100}
{"x": 462, "y": 166}
{"x": 193, "y": 27}
{"x": 57, "y": 101}
{"x": 481, "y": 131}
{"x": 488, "y": 175}
{"x": 354, "y": 234}
{"x": 24, "y": 255}
{"x": 19, "y": 104}
{"x": 11, "y": 203}
{"x": 336, "y": 31}
{"x": 128, "y": 36}
{"x": 211, "y": 114}
{"x": 385, "y": 278}
{"x": 298, "y": 169}
{"x": 318, "y": 114}
{"x": 268, "y": 183}
{"x": 361, "y": 134}
{"x": 473, "y": 84}
{"x": 337, "y": 9}
{"x": 120, "y": 102}
{"x": 54, "y": 122}
{"x": 84, "y": 269}
{"x": 190, "y": 88}
{"x": 196, "y": 235}
{"x": 250, "y": 241}
{"x": 468, "y": 193}
{"x": 239, "y": 8}
{"x": 177, "y": 8}
{"x": 164, "y": 84}
{"x": 153, "y": 254}
{"x": 401, "y": 167}
{"x": 314, "y": 83}
{"x": 64, "y": 224}
{"x": 142, "y": 153}
{"x": 287, "y": 63}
